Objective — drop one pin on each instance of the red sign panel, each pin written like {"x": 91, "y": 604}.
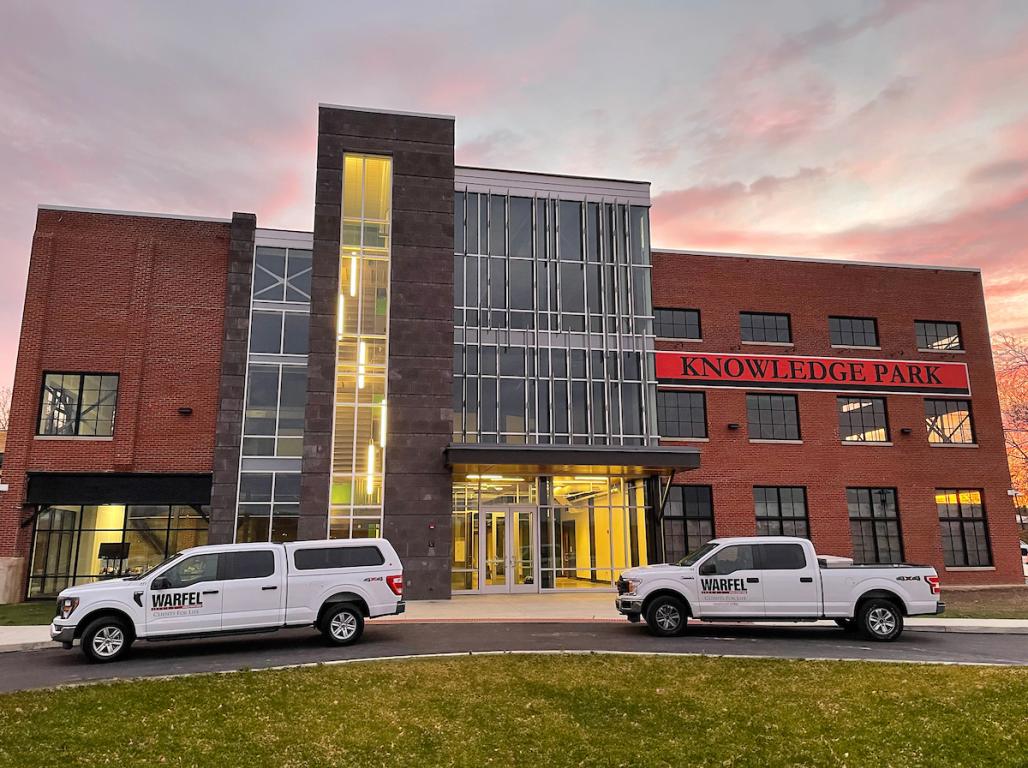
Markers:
{"x": 834, "y": 374}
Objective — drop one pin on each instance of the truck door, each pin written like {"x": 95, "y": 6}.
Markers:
{"x": 790, "y": 581}
{"x": 185, "y": 598}
{"x": 729, "y": 583}
{"x": 253, "y": 581}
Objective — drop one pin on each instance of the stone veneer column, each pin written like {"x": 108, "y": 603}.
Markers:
{"x": 418, "y": 487}
{"x": 228, "y": 438}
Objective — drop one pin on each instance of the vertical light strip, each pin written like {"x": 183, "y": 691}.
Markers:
{"x": 362, "y": 334}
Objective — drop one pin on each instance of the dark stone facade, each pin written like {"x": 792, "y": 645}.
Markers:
{"x": 418, "y": 487}
{"x": 229, "y": 434}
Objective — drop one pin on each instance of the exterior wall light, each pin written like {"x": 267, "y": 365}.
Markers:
{"x": 185, "y": 411}
{"x": 733, "y": 425}
{"x": 906, "y": 431}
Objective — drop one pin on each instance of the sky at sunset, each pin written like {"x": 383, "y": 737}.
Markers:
{"x": 893, "y": 131}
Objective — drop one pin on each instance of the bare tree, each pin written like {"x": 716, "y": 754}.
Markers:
{"x": 5, "y": 408}
{"x": 1011, "y": 354}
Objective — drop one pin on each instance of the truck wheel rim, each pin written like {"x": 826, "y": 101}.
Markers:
{"x": 343, "y": 625}
{"x": 108, "y": 641}
{"x": 882, "y": 621}
{"x": 668, "y": 617}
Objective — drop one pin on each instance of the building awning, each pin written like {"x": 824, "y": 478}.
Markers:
{"x": 118, "y": 488}
{"x": 623, "y": 460}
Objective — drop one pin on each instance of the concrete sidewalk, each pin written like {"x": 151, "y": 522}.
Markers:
{"x": 568, "y": 607}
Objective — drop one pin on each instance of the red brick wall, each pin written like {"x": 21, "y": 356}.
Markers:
{"x": 139, "y": 296}
{"x": 721, "y": 287}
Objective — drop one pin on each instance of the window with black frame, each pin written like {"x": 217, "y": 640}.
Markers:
{"x": 863, "y": 420}
{"x": 853, "y": 331}
{"x": 681, "y": 414}
{"x": 677, "y": 323}
{"x": 965, "y": 534}
{"x": 781, "y": 510}
{"x": 936, "y": 336}
{"x": 765, "y": 328}
{"x": 688, "y": 520}
{"x": 874, "y": 525}
{"x": 773, "y": 417}
{"x": 78, "y": 404}
{"x": 949, "y": 422}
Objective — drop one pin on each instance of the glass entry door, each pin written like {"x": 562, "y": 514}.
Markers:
{"x": 508, "y": 548}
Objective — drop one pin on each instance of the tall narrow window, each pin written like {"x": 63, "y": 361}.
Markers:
{"x": 688, "y": 520}
{"x": 937, "y": 336}
{"x": 874, "y": 525}
{"x": 965, "y": 535}
{"x": 780, "y": 511}
{"x": 862, "y": 420}
{"x": 948, "y": 421}
{"x": 362, "y": 332}
{"x": 78, "y": 404}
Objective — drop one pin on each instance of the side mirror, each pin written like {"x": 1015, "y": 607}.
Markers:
{"x": 707, "y": 568}
{"x": 161, "y": 582}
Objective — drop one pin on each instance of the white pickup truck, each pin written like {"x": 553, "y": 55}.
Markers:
{"x": 236, "y": 588}
{"x": 776, "y": 578}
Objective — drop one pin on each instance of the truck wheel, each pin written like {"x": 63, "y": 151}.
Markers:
{"x": 850, "y": 625}
{"x": 343, "y": 624}
{"x": 106, "y": 639}
{"x": 880, "y": 620}
{"x": 666, "y": 616}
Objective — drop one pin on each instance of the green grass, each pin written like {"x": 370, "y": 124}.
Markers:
{"x": 21, "y": 614}
{"x": 1005, "y": 603}
{"x": 537, "y": 711}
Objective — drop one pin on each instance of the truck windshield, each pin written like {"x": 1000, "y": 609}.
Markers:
{"x": 148, "y": 571}
{"x": 694, "y": 556}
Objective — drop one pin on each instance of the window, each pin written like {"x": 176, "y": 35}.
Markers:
{"x": 773, "y": 417}
{"x": 677, "y": 323}
{"x": 853, "y": 331}
{"x": 78, "y": 404}
{"x": 192, "y": 570}
{"x": 247, "y": 565}
{"x": 863, "y": 420}
{"x": 282, "y": 275}
{"x": 782, "y": 557}
{"x": 337, "y": 557}
{"x": 937, "y": 336}
{"x": 780, "y": 511}
{"x": 681, "y": 414}
{"x": 767, "y": 328}
{"x": 948, "y": 421}
{"x": 738, "y": 557}
{"x": 874, "y": 525}
{"x": 965, "y": 536}
{"x": 279, "y": 333}
{"x": 688, "y": 519}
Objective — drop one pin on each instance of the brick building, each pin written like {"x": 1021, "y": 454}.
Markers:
{"x": 491, "y": 369}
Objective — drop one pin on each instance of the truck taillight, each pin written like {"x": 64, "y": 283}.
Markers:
{"x": 933, "y": 584}
{"x": 396, "y": 584}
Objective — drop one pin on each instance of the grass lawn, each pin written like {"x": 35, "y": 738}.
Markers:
{"x": 537, "y": 711}
{"x": 1006, "y": 603}
{"x": 20, "y": 614}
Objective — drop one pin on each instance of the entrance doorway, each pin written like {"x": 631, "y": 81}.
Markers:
{"x": 508, "y": 548}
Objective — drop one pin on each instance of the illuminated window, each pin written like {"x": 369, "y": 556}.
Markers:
{"x": 874, "y": 525}
{"x": 965, "y": 535}
{"x": 948, "y": 421}
{"x": 863, "y": 420}
{"x": 362, "y": 331}
{"x": 937, "y": 336}
{"x": 78, "y": 404}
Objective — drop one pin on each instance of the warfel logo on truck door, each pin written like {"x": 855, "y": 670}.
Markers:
{"x": 833, "y": 374}
{"x": 175, "y": 601}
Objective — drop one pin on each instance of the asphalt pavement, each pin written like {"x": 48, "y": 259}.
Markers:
{"x": 50, "y": 667}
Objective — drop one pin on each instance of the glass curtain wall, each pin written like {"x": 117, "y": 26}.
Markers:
{"x": 362, "y": 330}
{"x": 553, "y": 322}
{"x": 67, "y": 541}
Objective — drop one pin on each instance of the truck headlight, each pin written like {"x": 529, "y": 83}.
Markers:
{"x": 66, "y": 605}
{"x": 633, "y": 586}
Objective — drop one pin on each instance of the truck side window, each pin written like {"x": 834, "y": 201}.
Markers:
{"x": 190, "y": 571}
{"x": 782, "y": 557}
{"x": 336, "y": 557}
{"x": 247, "y": 565}
{"x": 729, "y": 560}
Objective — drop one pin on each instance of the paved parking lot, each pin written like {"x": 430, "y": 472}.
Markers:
{"x": 53, "y": 666}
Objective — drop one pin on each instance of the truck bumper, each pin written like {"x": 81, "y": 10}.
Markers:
{"x": 62, "y": 634}
{"x": 939, "y": 607}
{"x": 400, "y": 608}
{"x": 629, "y": 605}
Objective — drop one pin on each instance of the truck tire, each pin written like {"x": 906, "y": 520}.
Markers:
{"x": 850, "y": 625}
{"x": 343, "y": 624}
{"x": 880, "y": 620}
{"x": 106, "y": 639}
{"x": 667, "y": 616}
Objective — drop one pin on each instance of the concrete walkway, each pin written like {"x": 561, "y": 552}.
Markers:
{"x": 569, "y": 607}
